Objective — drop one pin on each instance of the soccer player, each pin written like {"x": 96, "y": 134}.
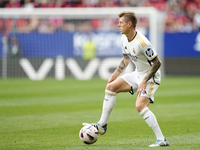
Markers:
{"x": 144, "y": 80}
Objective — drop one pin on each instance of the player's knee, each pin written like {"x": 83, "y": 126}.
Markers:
{"x": 141, "y": 103}
{"x": 138, "y": 107}
{"x": 110, "y": 87}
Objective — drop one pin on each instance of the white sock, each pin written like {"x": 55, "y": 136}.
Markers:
{"x": 150, "y": 119}
{"x": 108, "y": 104}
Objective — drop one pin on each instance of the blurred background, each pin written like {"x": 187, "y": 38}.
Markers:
{"x": 64, "y": 45}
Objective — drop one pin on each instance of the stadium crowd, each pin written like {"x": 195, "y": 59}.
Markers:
{"x": 181, "y": 15}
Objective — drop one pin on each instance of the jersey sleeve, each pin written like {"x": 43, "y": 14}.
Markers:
{"x": 149, "y": 52}
{"x": 145, "y": 47}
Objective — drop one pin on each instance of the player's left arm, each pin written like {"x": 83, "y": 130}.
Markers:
{"x": 154, "y": 68}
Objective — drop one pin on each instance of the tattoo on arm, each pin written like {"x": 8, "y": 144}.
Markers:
{"x": 123, "y": 64}
{"x": 156, "y": 65}
{"x": 121, "y": 67}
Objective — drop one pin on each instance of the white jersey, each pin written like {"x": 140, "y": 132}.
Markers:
{"x": 141, "y": 52}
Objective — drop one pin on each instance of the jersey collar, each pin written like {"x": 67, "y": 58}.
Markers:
{"x": 133, "y": 37}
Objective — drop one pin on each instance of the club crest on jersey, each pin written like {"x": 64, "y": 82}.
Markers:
{"x": 134, "y": 51}
{"x": 149, "y": 52}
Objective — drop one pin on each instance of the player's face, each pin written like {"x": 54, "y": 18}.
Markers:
{"x": 124, "y": 27}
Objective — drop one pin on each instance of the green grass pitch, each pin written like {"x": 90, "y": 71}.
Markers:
{"x": 47, "y": 115}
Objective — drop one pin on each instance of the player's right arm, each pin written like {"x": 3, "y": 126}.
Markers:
{"x": 122, "y": 66}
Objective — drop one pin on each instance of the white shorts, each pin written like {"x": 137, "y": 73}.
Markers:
{"x": 133, "y": 79}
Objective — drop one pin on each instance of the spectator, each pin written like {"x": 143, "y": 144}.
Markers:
{"x": 135, "y": 3}
{"x": 13, "y": 4}
{"x": 109, "y": 3}
{"x": 86, "y": 3}
{"x": 89, "y": 50}
{"x": 62, "y": 3}
{"x": 46, "y": 27}
{"x": 3, "y": 3}
{"x": 160, "y": 5}
{"x": 43, "y": 3}
{"x": 76, "y": 3}
{"x": 92, "y": 3}
{"x": 51, "y": 4}
{"x": 184, "y": 24}
{"x": 99, "y": 3}
{"x": 15, "y": 48}
{"x": 27, "y": 4}
{"x": 57, "y": 22}
{"x": 124, "y": 3}
{"x": 171, "y": 24}
{"x": 37, "y": 4}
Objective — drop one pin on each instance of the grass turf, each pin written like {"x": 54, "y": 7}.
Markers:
{"x": 47, "y": 115}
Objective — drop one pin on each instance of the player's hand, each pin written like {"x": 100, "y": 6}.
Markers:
{"x": 111, "y": 79}
{"x": 141, "y": 87}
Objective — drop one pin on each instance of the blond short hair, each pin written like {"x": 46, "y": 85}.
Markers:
{"x": 129, "y": 16}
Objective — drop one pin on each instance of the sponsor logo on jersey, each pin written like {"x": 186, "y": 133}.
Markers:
{"x": 134, "y": 58}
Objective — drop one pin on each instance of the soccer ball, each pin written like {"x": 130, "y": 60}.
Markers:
{"x": 88, "y": 134}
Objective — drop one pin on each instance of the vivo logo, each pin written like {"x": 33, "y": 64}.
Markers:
{"x": 102, "y": 67}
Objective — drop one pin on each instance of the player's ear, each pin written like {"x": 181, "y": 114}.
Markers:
{"x": 129, "y": 24}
